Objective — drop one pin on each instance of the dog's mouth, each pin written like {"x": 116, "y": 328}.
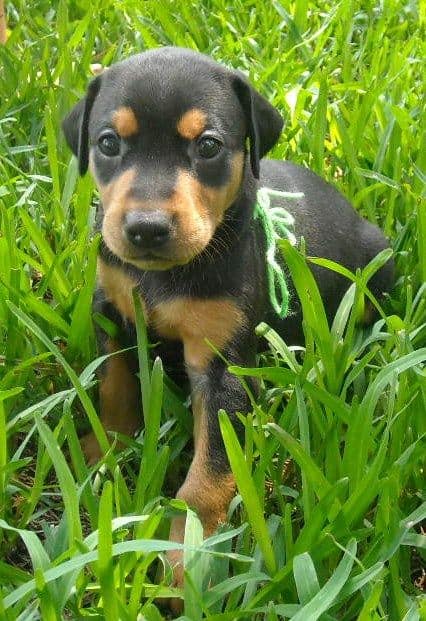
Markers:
{"x": 145, "y": 256}
{"x": 150, "y": 261}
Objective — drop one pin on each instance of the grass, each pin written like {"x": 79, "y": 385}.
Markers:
{"x": 327, "y": 522}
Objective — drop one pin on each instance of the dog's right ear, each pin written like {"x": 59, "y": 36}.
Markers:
{"x": 264, "y": 122}
{"x": 76, "y": 125}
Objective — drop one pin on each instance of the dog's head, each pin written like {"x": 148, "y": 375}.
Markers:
{"x": 164, "y": 134}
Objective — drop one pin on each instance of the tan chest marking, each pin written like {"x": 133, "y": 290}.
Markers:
{"x": 188, "y": 320}
{"x": 117, "y": 286}
{"x": 192, "y": 321}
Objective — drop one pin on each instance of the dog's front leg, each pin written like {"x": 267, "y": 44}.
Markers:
{"x": 209, "y": 485}
{"x": 119, "y": 399}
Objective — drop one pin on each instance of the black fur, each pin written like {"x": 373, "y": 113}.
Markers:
{"x": 76, "y": 126}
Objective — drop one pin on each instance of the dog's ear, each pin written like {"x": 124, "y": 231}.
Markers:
{"x": 76, "y": 125}
{"x": 264, "y": 123}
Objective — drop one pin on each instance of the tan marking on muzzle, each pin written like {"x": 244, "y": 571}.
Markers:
{"x": 222, "y": 197}
{"x": 200, "y": 208}
{"x": 115, "y": 197}
{"x": 192, "y": 123}
{"x": 125, "y": 122}
{"x": 197, "y": 211}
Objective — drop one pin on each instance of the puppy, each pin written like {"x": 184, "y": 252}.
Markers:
{"x": 175, "y": 144}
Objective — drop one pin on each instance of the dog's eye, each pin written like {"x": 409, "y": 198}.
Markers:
{"x": 109, "y": 143}
{"x": 208, "y": 147}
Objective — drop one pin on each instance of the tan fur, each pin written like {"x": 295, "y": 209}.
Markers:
{"x": 192, "y": 124}
{"x": 118, "y": 394}
{"x": 206, "y": 492}
{"x": 117, "y": 286}
{"x": 197, "y": 210}
{"x": 196, "y": 227}
{"x": 125, "y": 122}
{"x": 222, "y": 197}
{"x": 192, "y": 321}
{"x": 189, "y": 320}
{"x": 200, "y": 209}
{"x": 116, "y": 202}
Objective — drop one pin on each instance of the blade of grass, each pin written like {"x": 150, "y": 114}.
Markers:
{"x": 84, "y": 397}
{"x": 325, "y": 598}
{"x": 305, "y": 577}
{"x": 247, "y": 490}
{"x": 104, "y": 566}
{"x": 66, "y": 481}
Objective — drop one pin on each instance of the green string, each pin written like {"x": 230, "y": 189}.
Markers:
{"x": 277, "y": 223}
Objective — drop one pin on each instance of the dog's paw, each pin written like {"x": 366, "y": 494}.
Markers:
{"x": 91, "y": 449}
{"x": 176, "y": 606}
{"x": 175, "y": 565}
{"x": 171, "y": 606}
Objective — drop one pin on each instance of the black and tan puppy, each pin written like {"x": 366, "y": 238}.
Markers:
{"x": 165, "y": 136}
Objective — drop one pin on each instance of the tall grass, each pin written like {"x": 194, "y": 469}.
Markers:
{"x": 327, "y": 521}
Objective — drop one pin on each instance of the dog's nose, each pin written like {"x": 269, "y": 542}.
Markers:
{"x": 147, "y": 229}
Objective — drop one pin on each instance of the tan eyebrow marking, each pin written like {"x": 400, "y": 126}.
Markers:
{"x": 192, "y": 123}
{"x": 125, "y": 122}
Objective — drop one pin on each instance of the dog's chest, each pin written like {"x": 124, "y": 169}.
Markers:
{"x": 196, "y": 323}
{"x": 193, "y": 321}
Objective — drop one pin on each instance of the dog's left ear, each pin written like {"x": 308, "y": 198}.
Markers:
{"x": 264, "y": 123}
{"x": 76, "y": 125}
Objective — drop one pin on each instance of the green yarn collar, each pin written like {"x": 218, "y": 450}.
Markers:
{"x": 278, "y": 224}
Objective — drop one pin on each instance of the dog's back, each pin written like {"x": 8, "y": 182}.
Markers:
{"x": 331, "y": 229}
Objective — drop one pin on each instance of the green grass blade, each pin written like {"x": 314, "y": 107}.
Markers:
{"x": 247, "y": 490}
{"x": 143, "y": 356}
{"x": 195, "y": 566}
{"x": 325, "y": 598}
{"x": 313, "y": 473}
{"x": 105, "y": 568}
{"x": 66, "y": 481}
{"x": 84, "y": 398}
{"x": 305, "y": 577}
